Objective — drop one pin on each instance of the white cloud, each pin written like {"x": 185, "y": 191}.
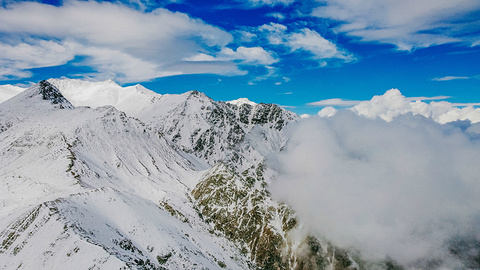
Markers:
{"x": 306, "y": 40}
{"x": 269, "y": 2}
{"x": 400, "y": 189}
{"x": 327, "y": 112}
{"x": 275, "y": 32}
{"x": 450, "y": 78}
{"x": 334, "y": 102}
{"x": 311, "y": 41}
{"x": 393, "y": 103}
{"x": 427, "y": 98}
{"x": 244, "y": 36}
{"x": 156, "y": 42}
{"x": 408, "y": 24}
{"x": 286, "y": 80}
{"x": 276, "y": 15}
{"x": 7, "y": 73}
{"x": 252, "y": 55}
{"x": 15, "y": 59}
{"x": 270, "y": 72}
{"x": 201, "y": 57}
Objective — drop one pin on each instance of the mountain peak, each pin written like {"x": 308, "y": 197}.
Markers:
{"x": 130, "y": 99}
{"x": 195, "y": 93}
{"x": 241, "y": 101}
{"x": 50, "y": 92}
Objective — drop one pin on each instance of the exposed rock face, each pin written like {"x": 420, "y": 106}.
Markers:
{"x": 233, "y": 195}
{"x": 49, "y": 92}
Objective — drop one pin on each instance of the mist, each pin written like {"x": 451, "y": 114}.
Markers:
{"x": 402, "y": 189}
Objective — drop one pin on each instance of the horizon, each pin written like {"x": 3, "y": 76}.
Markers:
{"x": 297, "y": 54}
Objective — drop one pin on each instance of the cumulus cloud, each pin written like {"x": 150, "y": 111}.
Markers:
{"x": 393, "y": 103}
{"x": 401, "y": 189}
{"x": 407, "y": 24}
{"x": 114, "y": 38}
{"x": 327, "y": 112}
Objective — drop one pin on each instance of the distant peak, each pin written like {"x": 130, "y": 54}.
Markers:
{"x": 110, "y": 81}
{"x": 197, "y": 94}
{"x": 241, "y": 101}
{"x": 50, "y": 92}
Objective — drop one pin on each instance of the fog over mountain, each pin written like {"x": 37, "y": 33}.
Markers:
{"x": 405, "y": 189}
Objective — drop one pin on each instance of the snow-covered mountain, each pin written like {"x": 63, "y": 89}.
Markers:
{"x": 85, "y": 187}
{"x": 99, "y": 176}
{"x": 166, "y": 182}
{"x": 8, "y": 91}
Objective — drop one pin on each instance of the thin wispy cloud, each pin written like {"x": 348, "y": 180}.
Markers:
{"x": 427, "y": 98}
{"x": 338, "y": 102}
{"x": 467, "y": 104}
{"x": 334, "y": 102}
{"x": 268, "y": 2}
{"x": 450, "y": 78}
{"x": 305, "y": 40}
{"x": 276, "y": 15}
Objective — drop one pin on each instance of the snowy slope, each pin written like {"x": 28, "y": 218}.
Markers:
{"x": 8, "y": 91}
{"x": 241, "y": 101}
{"x": 130, "y": 99}
{"x": 94, "y": 188}
{"x": 197, "y": 124}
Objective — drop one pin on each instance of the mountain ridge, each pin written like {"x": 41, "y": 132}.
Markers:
{"x": 197, "y": 164}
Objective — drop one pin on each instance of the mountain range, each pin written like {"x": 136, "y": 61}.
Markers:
{"x": 98, "y": 176}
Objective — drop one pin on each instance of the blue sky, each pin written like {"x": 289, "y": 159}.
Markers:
{"x": 288, "y": 52}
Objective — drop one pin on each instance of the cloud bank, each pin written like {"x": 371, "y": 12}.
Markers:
{"x": 401, "y": 189}
{"x": 393, "y": 104}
